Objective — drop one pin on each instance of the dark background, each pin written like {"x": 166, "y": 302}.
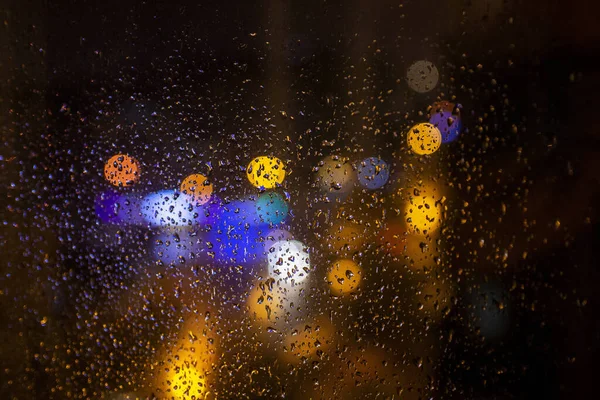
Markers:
{"x": 73, "y": 74}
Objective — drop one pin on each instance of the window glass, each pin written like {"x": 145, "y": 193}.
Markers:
{"x": 298, "y": 199}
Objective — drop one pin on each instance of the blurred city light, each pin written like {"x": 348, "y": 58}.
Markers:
{"x": 266, "y": 172}
{"x": 122, "y": 170}
{"x": 422, "y": 76}
{"x": 373, "y": 173}
{"x": 344, "y": 277}
{"x": 424, "y": 138}
{"x": 197, "y": 187}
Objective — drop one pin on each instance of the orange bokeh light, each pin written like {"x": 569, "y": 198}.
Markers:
{"x": 122, "y": 170}
{"x": 197, "y": 187}
{"x": 344, "y": 276}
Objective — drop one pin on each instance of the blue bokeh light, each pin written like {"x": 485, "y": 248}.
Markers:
{"x": 167, "y": 208}
{"x": 271, "y": 208}
{"x": 449, "y": 125}
{"x": 112, "y": 207}
{"x": 373, "y": 173}
{"x": 237, "y": 235}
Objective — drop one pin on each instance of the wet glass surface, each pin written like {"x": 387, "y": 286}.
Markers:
{"x": 303, "y": 200}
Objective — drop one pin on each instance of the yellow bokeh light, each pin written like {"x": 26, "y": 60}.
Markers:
{"x": 122, "y": 170}
{"x": 424, "y": 138}
{"x": 186, "y": 366}
{"x": 187, "y": 382}
{"x": 197, "y": 187}
{"x": 266, "y": 171}
{"x": 423, "y": 212}
{"x": 344, "y": 276}
{"x": 265, "y": 303}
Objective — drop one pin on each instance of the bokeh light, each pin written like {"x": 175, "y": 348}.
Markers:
{"x": 122, "y": 170}
{"x": 237, "y": 235}
{"x": 266, "y": 172}
{"x": 424, "y": 138}
{"x": 335, "y": 175}
{"x": 236, "y": 244}
{"x": 118, "y": 208}
{"x": 187, "y": 381}
{"x": 344, "y": 277}
{"x": 187, "y": 364}
{"x": 176, "y": 247}
{"x": 167, "y": 208}
{"x": 422, "y": 76}
{"x": 197, "y": 187}
{"x": 373, "y": 173}
{"x": 238, "y": 213}
{"x": 289, "y": 259}
{"x": 423, "y": 210}
{"x": 271, "y": 208}
{"x": 266, "y": 303}
{"x": 275, "y": 236}
{"x": 446, "y": 117}
{"x": 107, "y": 206}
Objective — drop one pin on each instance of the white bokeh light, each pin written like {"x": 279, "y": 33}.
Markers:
{"x": 166, "y": 208}
{"x": 289, "y": 259}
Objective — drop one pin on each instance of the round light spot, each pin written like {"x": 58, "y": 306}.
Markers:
{"x": 175, "y": 247}
{"x": 344, "y": 276}
{"x": 446, "y": 118}
{"x": 422, "y": 76}
{"x": 271, "y": 208}
{"x": 289, "y": 259}
{"x": 373, "y": 173}
{"x": 197, "y": 187}
{"x": 424, "y": 138}
{"x": 335, "y": 175}
{"x": 266, "y": 172}
{"x": 122, "y": 170}
{"x": 423, "y": 212}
